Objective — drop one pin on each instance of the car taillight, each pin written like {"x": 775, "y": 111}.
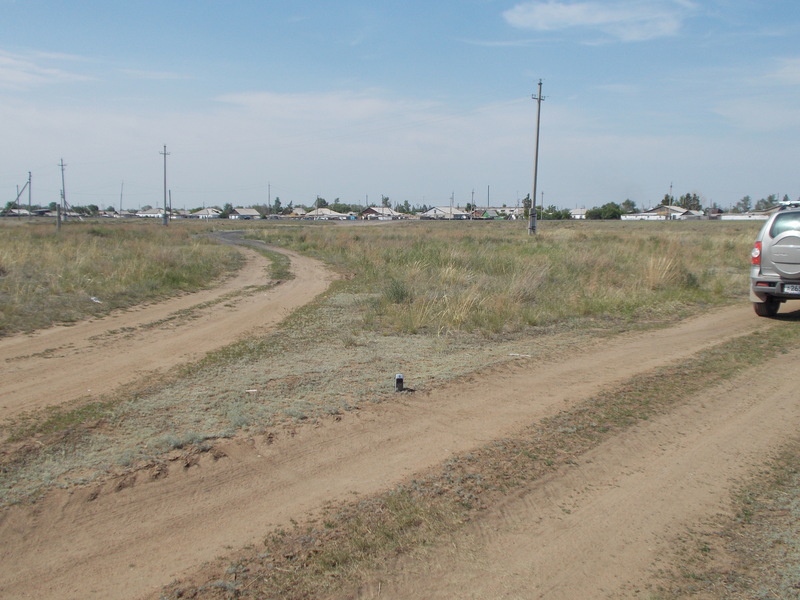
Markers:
{"x": 755, "y": 254}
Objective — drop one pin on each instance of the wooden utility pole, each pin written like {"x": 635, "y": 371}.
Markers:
{"x": 63, "y": 193}
{"x": 166, "y": 215}
{"x": 532, "y": 216}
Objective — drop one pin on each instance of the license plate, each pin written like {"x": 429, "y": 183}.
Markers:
{"x": 791, "y": 288}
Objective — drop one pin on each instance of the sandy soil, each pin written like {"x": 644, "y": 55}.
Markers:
{"x": 605, "y": 527}
{"x": 60, "y": 364}
{"x": 591, "y": 531}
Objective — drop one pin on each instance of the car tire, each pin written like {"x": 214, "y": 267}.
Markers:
{"x": 768, "y": 308}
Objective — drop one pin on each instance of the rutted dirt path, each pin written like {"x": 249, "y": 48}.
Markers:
{"x": 60, "y": 364}
{"x": 605, "y": 527}
{"x": 128, "y": 541}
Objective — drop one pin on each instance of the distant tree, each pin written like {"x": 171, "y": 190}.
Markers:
{"x": 276, "y": 207}
{"x": 146, "y": 207}
{"x": 53, "y": 206}
{"x": 610, "y": 210}
{"x": 526, "y": 206}
{"x": 742, "y": 206}
{"x": 288, "y": 210}
{"x": 767, "y": 203}
{"x": 668, "y": 200}
{"x": 341, "y": 207}
{"x": 226, "y": 210}
{"x": 385, "y": 201}
{"x": 110, "y": 208}
{"x": 552, "y": 213}
{"x": 690, "y": 202}
{"x": 405, "y": 208}
{"x": 320, "y": 203}
{"x": 629, "y": 206}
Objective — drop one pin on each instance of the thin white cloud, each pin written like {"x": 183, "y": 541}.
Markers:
{"x": 623, "y": 89}
{"x": 787, "y": 72}
{"x": 22, "y": 73}
{"x": 155, "y": 75}
{"x": 500, "y": 43}
{"x": 625, "y": 20}
{"x": 761, "y": 115}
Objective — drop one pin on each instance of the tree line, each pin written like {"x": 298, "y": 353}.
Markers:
{"x": 610, "y": 210}
{"x": 689, "y": 201}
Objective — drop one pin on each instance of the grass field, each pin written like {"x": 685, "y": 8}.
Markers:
{"x": 88, "y": 269}
{"x": 434, "y": 300}
{"x": 492, "y": 278}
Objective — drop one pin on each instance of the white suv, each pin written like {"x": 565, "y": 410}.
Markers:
{"x": 775, "y": 261}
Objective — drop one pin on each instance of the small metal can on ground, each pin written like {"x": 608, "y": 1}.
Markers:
{"x": 398, "y": 382}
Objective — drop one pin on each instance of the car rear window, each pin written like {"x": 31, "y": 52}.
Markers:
{"x": 785, "y": 222}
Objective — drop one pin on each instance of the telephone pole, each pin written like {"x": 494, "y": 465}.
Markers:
{"x": 63, "y": 186}
{"x": 532, "y": 216}
{"x": 63, "y": 194}
{"x": 472, "y": 204}
{"x": 165, "y": 154}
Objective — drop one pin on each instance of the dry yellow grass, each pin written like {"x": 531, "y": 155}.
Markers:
{"x": 87, "y": 269}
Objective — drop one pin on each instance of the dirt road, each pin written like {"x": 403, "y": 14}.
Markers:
{"x": 60, "y": 364}
{"x": 592, "y": 530}
{"x": 604, "y": 527}
{"x": 588, "y": 531}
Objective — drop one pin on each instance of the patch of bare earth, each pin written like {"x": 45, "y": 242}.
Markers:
{"x": 61, "y": 364}
{"x": 589, "y": 530}
{"x": 606, "y": 525}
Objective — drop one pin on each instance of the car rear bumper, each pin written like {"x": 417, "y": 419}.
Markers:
{"x": 761, "y": 289}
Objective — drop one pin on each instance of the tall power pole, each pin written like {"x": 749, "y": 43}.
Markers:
{"x": 532, "y": 217}
{"x": 63, "y": 193}
{"x": 166, "y": 215}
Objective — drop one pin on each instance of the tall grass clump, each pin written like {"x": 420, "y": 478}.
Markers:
{"x": 86, "y": 269}
{"x": 492, "y": 278}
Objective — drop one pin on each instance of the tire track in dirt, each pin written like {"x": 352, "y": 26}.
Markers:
{"x": 602, "y": 528}
{"x": 61, "y": 364}
{"x": 126, "y": 543}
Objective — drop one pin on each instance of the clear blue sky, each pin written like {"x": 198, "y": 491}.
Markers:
{"x": 413, "y": 100}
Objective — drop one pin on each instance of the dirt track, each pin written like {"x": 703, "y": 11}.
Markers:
{"x": 591, "y": 531}
{"x": 60, "y": 364}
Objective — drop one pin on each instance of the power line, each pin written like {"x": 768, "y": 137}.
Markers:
{"x": 532, "y": 217}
